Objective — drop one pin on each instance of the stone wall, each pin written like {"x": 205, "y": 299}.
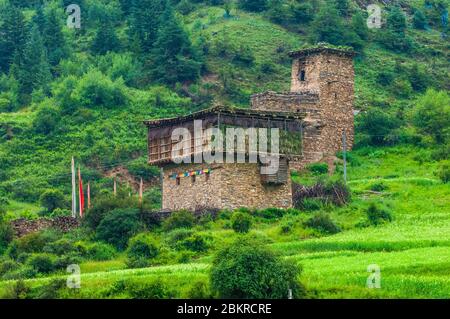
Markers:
{"x": 230, "y": 185}
{"x": 24, "y": 226}
{"x": 287, "y": 102}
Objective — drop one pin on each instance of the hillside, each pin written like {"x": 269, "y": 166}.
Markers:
{"x": 88, "y": 100}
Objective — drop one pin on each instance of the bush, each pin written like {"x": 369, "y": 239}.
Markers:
{"x": 444, "y": 172}
{"x": 18, "y": 290}
{"x": 199, "y": 290}
{"x": 141, "y": 249}
{"x": 323, "y": 223}
{"x": 376, "y": 127}
{"x": 195, "y": 242}
{"x": 42, "y": 263}
{"x": 241, "y": 222}
{"x": 50, "y": 290}
{"x": 6, "y": 232}
{"x": 310, "y": 204}
{"x": 270, "y": 213}
{"x": 8, "y": 265}
{"x": 378, "y": 187}
{"x": 103, "y": 205}
{"x": 140, "y": 289}
{"x": 174, "y": 237}
{"x": 52, "y": 199}
{"x": 31, "y": 243}
{"x": 431, "y": 115}
{"x": 47, "y": 119}
{"x": 377, "y": 215}
{"x": 101, "y": 251}
{"x": 247, "y": 270}
{"x": 140, "y": 168}
{"x": 318, "y": 168}
{"x": 118, "y": 227}
{"x": 181, "y": 219}
{"x": 253, "y": 5}
{"x": 60, "y": 247}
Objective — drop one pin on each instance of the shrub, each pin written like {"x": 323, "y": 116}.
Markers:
{"x": 52, "y": 199}
{"x": 50, "y": 290}
{"x": 101, "y": 251}
{"x": 140, "y": 168}
{"x": 103, "y": 205}
{"x": 42, "y": 262}
{"x": 377, "y": 215}
{"x": 323, "y": 223}
{"x": 318, "y": 168}
{"x": 253, "y": 5}
{"x": 444, "y": 172}
{"x": 31, "y": 243}
{"x": 174, "y": 237}
{"x": 141, "y": 249}
{"x": 60, "y": 247}
{"x": 241, "y": 222}
{"x": 8, "y": 265}
{"x": 431, "y": 115}
{"x": 18, "y": 290}
{"x": 199, "y": 290}
{"x": 376, "y": 127}
{"x": 141, "y": 289}
{"x": 196, "y": 243}
{"x": 311, "y": 204}
{"x": 247, "y": 270}
{"x": 6, "y": 232}
{"x": 181, "y": 219}
{"x": 119, "y": 226}
{"x": 378, "y": 187}
{"x": 270, "y": 213}
{"x": 46, "y": 120}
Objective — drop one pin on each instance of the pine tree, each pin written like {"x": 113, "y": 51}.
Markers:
{"x": 54, "y": 38}
{"x": 395, "y": 37}
{"x": 343, "y": 7}
{"x": 359, "y": 25}
{"x": 12, "y": 34}
{"x": 173, "y": 58}
{"x": 145, "y": 21}
{"x": 105, "y": 39}
{"x": 419, "y": 20}
{"x": 32, "y": 69}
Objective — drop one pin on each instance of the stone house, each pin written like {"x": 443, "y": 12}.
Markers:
{"x": 312, "y": 119}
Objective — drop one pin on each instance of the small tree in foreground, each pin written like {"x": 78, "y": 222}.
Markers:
{"x": 247, "y": 270}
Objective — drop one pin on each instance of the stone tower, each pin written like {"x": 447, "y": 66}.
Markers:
{"x": 329, "y": 73}
{"x": 322, "y": 86}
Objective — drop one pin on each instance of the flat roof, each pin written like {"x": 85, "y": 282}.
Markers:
{"x": 321, "y": 49}
{"x": 280, "y": 115}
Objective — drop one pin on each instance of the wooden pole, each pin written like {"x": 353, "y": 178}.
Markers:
{"x": 89, "y": 194}
{"x": 74, "y": 192}
{"x": 115, "y": 187}
{"x": 141, "y": 187}
{"x": 344, "y": 144}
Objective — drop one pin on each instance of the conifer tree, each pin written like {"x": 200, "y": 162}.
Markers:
{"x": 105, "y": 39}
{"x": 173, "y": 58}
{"x": 145, "y": 21}
{"x": 12, "y": 34}
{"x": 359, "y": 25}
{"x": 419, "y": 20}
{"x": 53, "y": 37}
{"x": 32, "y": 69}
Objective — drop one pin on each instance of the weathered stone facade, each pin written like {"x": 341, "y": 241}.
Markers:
{"x": 229, "y": 186}
{"x": 320, "y": 102}
{"x": 322, "y": 85}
